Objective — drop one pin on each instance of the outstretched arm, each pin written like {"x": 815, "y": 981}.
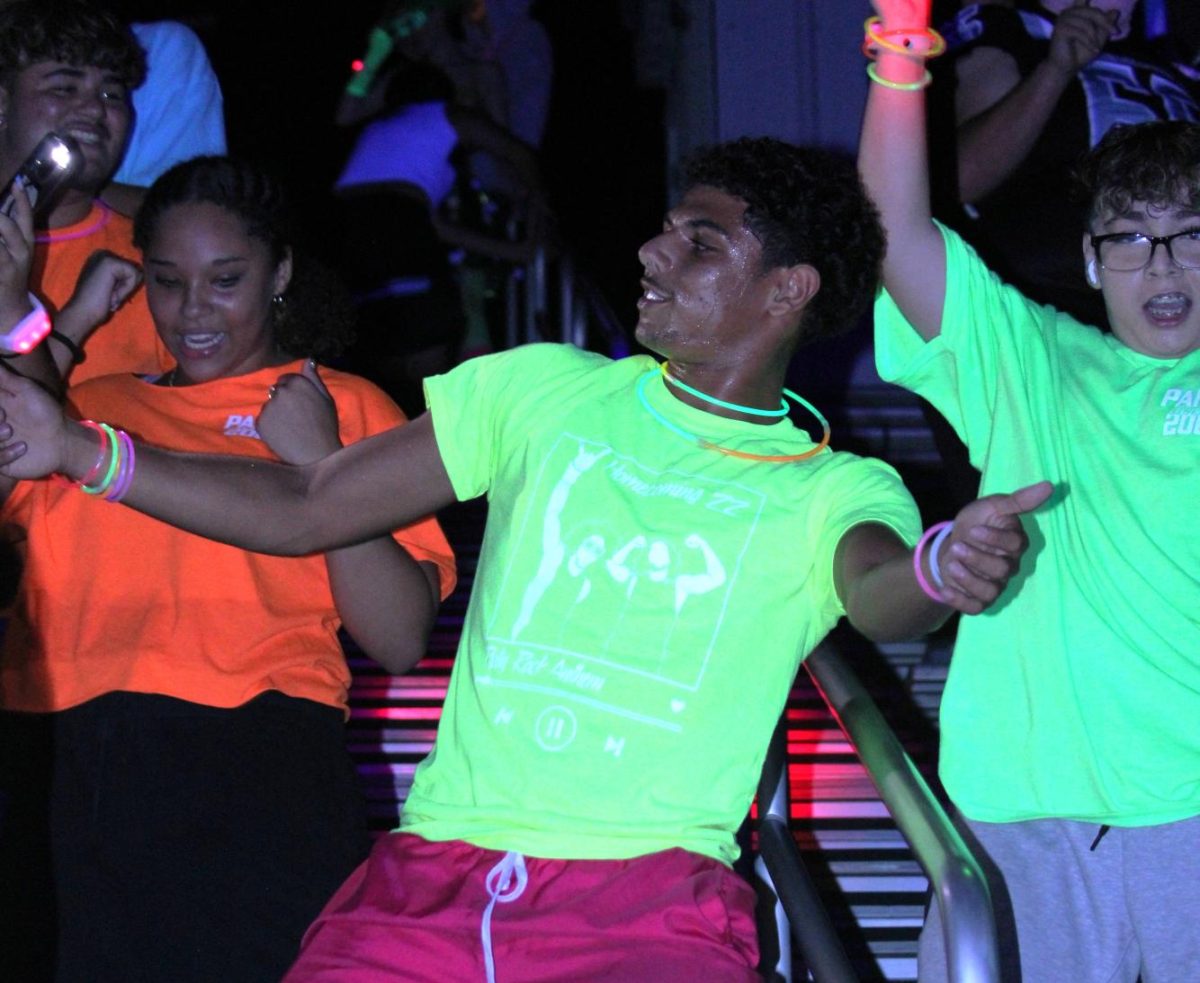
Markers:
{"x": 893, "y": 161}
{"x": 875, "y": 578}
{"x": 359, "y": 492}
{"x": 1001, "y": 115}
{"x": 387, "y": 599}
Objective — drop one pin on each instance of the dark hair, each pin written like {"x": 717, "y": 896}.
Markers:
{"x": 1157, "y": 163}
{"x": 74, "y": 32}
{"x": 318, "y": 319}
{"x": 805, "y": 205}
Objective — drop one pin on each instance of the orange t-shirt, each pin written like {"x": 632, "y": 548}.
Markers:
{"x": 127, "y": 341}
{"x": 114, "y": 600}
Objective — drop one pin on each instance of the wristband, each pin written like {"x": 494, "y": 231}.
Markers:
{"x": 27, "y": 333}
{"x": 877, "y": 36}
{"x": 898, "y": 86}
{"x": 114, "y": 463}
{"x": 935, "y": 547}
{"x": 94, "y": 470}
{"x": 924, "y": 584}
{"x": 77, "y": 353}
{"x": 125, "y": 472}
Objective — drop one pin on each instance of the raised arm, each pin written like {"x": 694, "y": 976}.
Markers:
{"x": 893, "y": 161}
{"x": 359, "y": 492}
{"x": 16, "y": 259}
{"x": 876, "y": 580}
{"x": 1000, "y": 115}
{"x": 105, "y": 283}
{"x": 386, "y": 598}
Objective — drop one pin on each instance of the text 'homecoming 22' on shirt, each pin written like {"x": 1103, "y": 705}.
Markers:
{"x": 1078, "y": 695}
{"x": 114, "y": 600}
{"x": 641, "y": 607}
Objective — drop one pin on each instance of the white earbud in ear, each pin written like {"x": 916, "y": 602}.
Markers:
{"x": 1093, "y": 278}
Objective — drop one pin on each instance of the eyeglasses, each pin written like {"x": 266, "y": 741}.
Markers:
{"x": 1124, "y": 252}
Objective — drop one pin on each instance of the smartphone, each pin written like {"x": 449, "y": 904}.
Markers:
{"x": 53, "y": 160}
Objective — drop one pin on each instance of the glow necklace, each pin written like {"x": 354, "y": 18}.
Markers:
{"x": 737, "y": 407}
{"x": 708, "y": 445}
{"x": 96, "y": 226}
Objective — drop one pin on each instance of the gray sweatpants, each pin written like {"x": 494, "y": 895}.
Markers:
{"x": 1068, "y": 913}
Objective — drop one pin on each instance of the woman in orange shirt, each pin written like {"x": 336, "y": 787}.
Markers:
{"x": 202, "y": 804}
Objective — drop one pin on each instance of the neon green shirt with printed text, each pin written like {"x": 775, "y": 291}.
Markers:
{"x": 640, "y": 608}
{"x": 1078, "y": 696}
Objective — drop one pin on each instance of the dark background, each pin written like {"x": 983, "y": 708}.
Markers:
{"x": 282, "y": 69}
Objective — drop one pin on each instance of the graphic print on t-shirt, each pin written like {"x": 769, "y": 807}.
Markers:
{"x": 1182, "y": 412}
{"x": 1121, "y": 91}
{"x": 617, "y": 610}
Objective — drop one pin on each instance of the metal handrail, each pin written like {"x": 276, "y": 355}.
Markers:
{"x": 782, "y": 867}
{"x": 959, "y": 887}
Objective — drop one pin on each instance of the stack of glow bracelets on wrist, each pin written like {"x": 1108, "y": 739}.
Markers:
{"x": 112, "y": 474}
{"x": 918, "y": 43}
{"x": 933, "y": 538}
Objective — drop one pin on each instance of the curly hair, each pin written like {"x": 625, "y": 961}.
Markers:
{"x": 74, "y": 32}
{"x": 1157, "y": 163}
{"x": 318, "y": 321}
{"x": 804, "y": 205}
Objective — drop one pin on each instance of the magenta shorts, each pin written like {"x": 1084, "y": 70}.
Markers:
{"x": 419, "y": 911}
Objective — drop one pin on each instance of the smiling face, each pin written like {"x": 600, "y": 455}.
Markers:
{"x": 704, "y": 290}
{"x": 209, "y": 286}
{"x": 1154, "y": 310}
{"x": 88, "y": 104}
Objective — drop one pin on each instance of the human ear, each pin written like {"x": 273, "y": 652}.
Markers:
{"x": 283, "y": 274}
{"x": 1091, "y": 268}
{"x": 795, "y": 286}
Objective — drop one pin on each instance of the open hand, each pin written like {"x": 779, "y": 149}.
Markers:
{"x": 984, "y": 550}
{"x": 299, "y": 419}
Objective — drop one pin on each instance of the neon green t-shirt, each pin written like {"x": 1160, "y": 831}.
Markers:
{"x": 640, "y": 608}
{"x": 1078, "y": 696}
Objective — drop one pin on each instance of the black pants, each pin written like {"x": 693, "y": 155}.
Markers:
{"x": 187, "y": 843}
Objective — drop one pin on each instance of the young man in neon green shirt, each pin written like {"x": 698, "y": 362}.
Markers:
{"x": 663, "y": 549}
{"x": 1070, "y": 739}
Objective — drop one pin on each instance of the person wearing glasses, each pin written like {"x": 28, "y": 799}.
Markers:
{"x": 1036, "y": 84}
{"x": 1069, "y": 737}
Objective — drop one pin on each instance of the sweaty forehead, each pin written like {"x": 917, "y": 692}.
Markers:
{"x": 706, "y": 207}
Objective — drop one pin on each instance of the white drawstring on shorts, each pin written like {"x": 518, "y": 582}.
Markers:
{"x": 505, "y": 882}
